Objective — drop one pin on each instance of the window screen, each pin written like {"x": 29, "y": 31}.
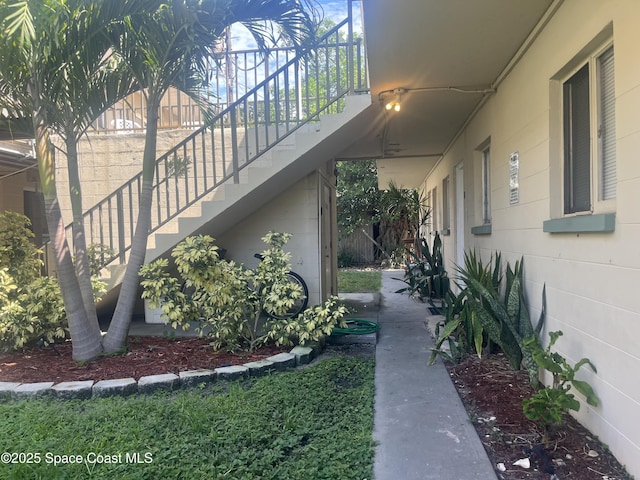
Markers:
{"x": 577, "y": 157}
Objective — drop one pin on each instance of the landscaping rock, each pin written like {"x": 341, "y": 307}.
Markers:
{"x": 6, "y": 389}
{"x": 118, "y": 386}
{"x": 303, "y": 355}
{"x": 260, "y": 368}
{"x": 32, "y": 390}
{"x": 152, "y": 383}
{"x": 232, "y": 373}
{"x": 318, "y": 346}
{"x": 282, "y": 361}
{"x": 193, "y": 378}
{"x": 69, "y": 390}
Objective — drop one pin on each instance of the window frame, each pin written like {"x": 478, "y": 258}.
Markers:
{"x": 434, "y": 210}
{"x": 596, "y": 165}
{"x": 485, "y": 160}
{"x": 446, "y": 206}
{"x": 427, "y": 222}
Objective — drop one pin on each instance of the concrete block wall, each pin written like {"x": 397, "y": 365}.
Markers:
{"x": 295, "y": 211}
{"x": 590, "y": 278}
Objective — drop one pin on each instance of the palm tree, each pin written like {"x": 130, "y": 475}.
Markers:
{"x": 56, "y": 70}
{"x": 171, "y": 49}
{"x": 30, "y": 61}
{"x": 91, "y": 86}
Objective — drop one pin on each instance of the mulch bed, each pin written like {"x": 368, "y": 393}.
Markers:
{"x": 492, "y": 393}
{"x": 143, "y": 356}
{"x": 490, "y": 389}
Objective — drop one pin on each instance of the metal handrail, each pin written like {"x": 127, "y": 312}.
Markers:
{"x": 312, "y": 83}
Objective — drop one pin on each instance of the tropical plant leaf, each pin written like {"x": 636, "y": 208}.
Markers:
{"x": 486, "y": 322}
{"x": 532, "y": 367}
{"x": 477, "y": 332}
{"x": 587, "y": 390}
{"x": 496, "y": 276}
{"x": 543, "y": 312}
{"x": 496, "y": 308}
{"x": 448, "y": 329}
{"x": 584, "y": 361}
{"x": 513, "y": 304}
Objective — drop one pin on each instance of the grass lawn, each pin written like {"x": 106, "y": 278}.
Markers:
{"x": 359, "y": 281}
{"x": 314, "y": 423}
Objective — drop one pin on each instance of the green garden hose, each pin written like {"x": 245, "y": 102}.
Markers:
{"x": 357, "y": 326}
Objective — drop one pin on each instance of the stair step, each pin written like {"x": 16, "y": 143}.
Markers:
{"x": 229, "y": 195}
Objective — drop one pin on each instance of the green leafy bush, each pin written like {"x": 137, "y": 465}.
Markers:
{"x": 30, "y": 305}
{"x": 548, "y": 406}
{"x": 488, "y": 312}
{"x": 230, "y": 301}
{"x": 310, "y": 325}
{"x": 346, "y": 258}
{"x": 425, "y": 275}
{"x": 463, "y": 330}
{"x": 504, "y": 317}
{"x": 36, "y": 312}
{"x": 99, "y": 256}
{"x": 18, "y": 254}
{"x": 43, "y": 315}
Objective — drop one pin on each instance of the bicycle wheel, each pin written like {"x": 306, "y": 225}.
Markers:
{"x": 301, "y": 303}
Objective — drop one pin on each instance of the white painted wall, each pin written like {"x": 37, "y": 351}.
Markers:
{"x": 591, "y": 279}
{"x": 296, "y": 211}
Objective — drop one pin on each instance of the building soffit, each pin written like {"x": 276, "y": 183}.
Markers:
{"x": 447, "y": 58}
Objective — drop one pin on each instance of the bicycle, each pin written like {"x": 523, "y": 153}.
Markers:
{"x": 301, "y": 303}
{"x": 299, "y": 306}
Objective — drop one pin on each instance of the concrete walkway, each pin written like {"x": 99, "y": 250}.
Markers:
{"x": 422, "y": 429}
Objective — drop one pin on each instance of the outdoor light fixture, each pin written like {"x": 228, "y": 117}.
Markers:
{"x": 394, "y": 104}
{"x": 394, "y": 96}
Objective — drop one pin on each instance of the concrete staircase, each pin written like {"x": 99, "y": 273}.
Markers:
{"x": 291, "y": 159}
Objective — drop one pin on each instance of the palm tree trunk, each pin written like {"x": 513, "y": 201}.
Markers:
{"x": 83, "y": 271}
{"x": 115, "y": 338}
{"x": 86, "y": 343}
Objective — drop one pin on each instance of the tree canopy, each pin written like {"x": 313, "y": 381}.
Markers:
{"x": 397, "y": 211}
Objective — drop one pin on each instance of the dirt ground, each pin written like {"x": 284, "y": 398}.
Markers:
{"x": 144, "y": 356}
{"x": 492, "y": 393}
{"x": 490, "y": 389}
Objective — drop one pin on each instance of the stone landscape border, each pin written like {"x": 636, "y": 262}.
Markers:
{"x": 168, "y": 381}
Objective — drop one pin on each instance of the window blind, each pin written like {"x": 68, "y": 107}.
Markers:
{"x": 607, "y": 127}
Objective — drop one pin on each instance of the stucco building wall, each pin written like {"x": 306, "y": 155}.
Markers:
{"x": 591, "y": 278}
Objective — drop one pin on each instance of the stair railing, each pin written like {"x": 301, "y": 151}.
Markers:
{"x": 312, "y": 83}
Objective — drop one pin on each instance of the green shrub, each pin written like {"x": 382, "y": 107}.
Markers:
{"x": 425, "y": 274}
{"x": 18, "y": 254}
{"x": 230, "y": 300}
{"x": 99, "y": 255}
{"x": 346, "y": 259}
{"x": 31, "y": 306}
{"x": 504, "y": 317}
{"x": 487, "y": 312}
{"x": 548, "y": 406}
{"x": 310, "y": 325}
{"x": 36, "y": 313}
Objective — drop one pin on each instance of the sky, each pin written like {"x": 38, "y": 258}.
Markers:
{"x": 249, "y": 69}
{"x": 336, "y": 10}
